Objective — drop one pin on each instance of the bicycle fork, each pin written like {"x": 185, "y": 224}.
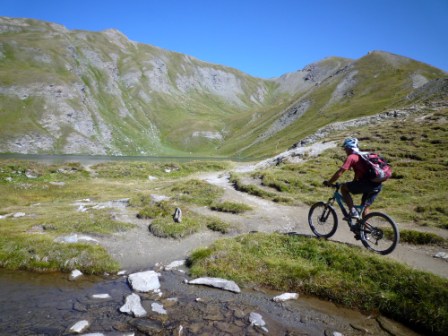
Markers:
{"x": 323, "y": 218}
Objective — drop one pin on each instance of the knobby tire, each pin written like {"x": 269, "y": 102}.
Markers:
{"x": 379, "y": 233}
{"x": 322, "y": 220}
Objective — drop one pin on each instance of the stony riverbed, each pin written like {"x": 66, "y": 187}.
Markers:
{"x": 50, "y": 304}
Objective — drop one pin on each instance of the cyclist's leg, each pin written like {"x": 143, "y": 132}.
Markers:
{"x": 369, "y": 197}
{"x": 368, "y": 189}
{"x": 353, "y": 187}
{"x": 366, "y": 211}
{"x": 345, "y": 192}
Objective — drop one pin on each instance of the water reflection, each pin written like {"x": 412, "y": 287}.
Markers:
{"x": 49, "y": 304}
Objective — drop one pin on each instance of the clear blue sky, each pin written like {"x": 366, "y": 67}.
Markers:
{"x": 259, "y": 37}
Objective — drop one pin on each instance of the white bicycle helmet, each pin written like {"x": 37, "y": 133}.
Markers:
{"x": 350, "y": 143}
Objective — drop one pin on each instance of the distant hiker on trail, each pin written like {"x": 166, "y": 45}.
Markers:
{"x": 361, "y": 183}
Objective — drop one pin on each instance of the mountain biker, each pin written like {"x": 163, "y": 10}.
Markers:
{"x": 360, "y": 183}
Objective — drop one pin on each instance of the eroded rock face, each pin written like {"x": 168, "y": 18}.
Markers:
{"x": 95, "y": 84}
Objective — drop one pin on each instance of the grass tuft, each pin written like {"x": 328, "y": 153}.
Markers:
{"x": 195, "y": 192}
{"x": 256, "y": 191}
{"x": 164, "y": 226}
{"x": 348, "y": 276}
{"x": 41, "y": 254}
{"x": 422, "y": 238}
{"x": 218, "y": 225}
{"x": 232, "y": 207}
{"x": 159, "y": 209}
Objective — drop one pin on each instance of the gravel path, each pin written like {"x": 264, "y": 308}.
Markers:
{"x": 138, "y": 249}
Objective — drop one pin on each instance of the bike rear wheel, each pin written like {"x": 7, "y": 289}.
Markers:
{"x": 379, "y": 233}
{"x": 323, "y": 220}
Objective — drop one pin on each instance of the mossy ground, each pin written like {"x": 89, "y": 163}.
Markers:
{"x": 49, "y": 196}
{"x": 348, "y": 276}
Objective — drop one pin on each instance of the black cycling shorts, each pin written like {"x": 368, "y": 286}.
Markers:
{"x": 368, "y": 189}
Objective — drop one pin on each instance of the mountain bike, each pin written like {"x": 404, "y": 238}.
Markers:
{"x": 377, "y": 231}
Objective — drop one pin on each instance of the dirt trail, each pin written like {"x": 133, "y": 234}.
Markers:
{"x": 138, "y": 249}
{"x": 269, "y": 216}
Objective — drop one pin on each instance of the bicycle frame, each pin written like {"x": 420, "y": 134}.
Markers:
{"x": 337, "y": 196}
{"x": 377, "y": 231}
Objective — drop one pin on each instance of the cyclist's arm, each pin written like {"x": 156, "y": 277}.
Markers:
{"x": 336, "y": 175}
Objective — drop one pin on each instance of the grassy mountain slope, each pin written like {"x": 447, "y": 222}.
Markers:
{"x": 414, "y": 145}
{"x": 85, "y": 92}
{"x": 373, "y": 84}
{"x": 109, "y": 95}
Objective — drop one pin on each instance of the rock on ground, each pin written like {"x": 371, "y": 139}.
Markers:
{"x": 217, "y": 283}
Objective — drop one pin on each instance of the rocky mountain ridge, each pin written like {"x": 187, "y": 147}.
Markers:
{"x": 79, "y": 92}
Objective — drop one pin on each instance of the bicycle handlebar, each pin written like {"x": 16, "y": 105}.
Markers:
{"x": 335, "y": 185}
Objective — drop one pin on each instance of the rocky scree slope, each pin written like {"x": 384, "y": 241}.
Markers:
{"x": 80, "y": 92}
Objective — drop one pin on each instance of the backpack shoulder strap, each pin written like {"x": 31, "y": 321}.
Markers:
{"x": 363, "y": 155}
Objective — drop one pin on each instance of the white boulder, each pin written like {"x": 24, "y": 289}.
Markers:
{"x": 175, "y": 264}
{"x": 75, "y": 274}
{"x": 285, "y": 297}
{"x": 133, "y": 306}
{"x": 144, "y": 281}
{"x": 158, "y": 308}
{"x": 101, "y": 296}
{"x": 79, "y": 326}
{"x": 256, "y": 319}
{"x": 217, "y": 283}
{"x": 441, "y": 255}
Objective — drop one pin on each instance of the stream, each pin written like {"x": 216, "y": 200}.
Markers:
{"x": 50, "y": 304}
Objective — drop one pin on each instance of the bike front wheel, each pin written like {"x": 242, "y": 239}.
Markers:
{"x": 379, "y": 233}
{"x": 323, "y": 220}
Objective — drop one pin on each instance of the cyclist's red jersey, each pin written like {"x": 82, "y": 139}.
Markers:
{"x": 354, "y": 161}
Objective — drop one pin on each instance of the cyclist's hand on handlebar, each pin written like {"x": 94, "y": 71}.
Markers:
{"x": 327, "y": 183}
